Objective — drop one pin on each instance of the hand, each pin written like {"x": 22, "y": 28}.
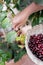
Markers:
{"x": 18, "y": 21}
{"x": 21, "y": 18}
{"x": 24, "y": 30}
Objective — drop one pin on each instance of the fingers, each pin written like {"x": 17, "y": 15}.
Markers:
{"x": 18, "y": 25}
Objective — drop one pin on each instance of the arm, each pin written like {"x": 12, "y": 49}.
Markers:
{"x": 21, "y": 18}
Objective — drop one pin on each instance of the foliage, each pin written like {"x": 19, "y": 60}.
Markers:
{"x": 2, "y": 16}
{"x": 2, "y": 63}
{"x": 10, "y": 36}
{"x": 7, "y": 1}
{"x": 6, "y": 23}
{"x": 36, "y": 18}
{"x": 1, "y": 7}
{"x": 11, "y": 51}
{"x": 15, "y": 1}
{"x": 21, "y": 4}
{"x": 19, "y": 54}
{"x": 4, "y": 56}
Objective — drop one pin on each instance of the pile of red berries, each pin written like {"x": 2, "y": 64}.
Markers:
{"x": 36, "y": 45}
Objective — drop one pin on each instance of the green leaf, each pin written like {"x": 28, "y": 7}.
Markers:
{"x": 15, "y": 1}
{"x": 1, "y": 52}
{"x": 1, "y": 7}
{"x": 6, "y": 56}
{"x": 19, "y": 55}
{"x": 6, "y": 24}
{"x": 2, "y": 63}
{"x": 14, "y": 46}
{"x": 35, "y": 21}
{"x": 41, "y": 20}
{"x": 3, "y": 46}
{"x": 31, "y": 16}
{"x": 10, "y": 37}
{"x": 7, "y": 1}
{"x": 2, "y": 16}
{"x": 21, "y": 4}
{"x": 41, "y": 13}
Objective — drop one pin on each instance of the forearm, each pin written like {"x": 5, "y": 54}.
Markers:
{"x": 32, "y": 8}
{"x": 23, "y": 15}
{"x": 29, "y": 10}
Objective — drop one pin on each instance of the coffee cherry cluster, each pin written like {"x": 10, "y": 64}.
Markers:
{"x": 36, "y": 45}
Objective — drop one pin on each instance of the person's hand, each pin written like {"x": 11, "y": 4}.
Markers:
{"x": 22, "y": 17}
{"x": 19, "y": 21}
{"x": 24, "y": 29}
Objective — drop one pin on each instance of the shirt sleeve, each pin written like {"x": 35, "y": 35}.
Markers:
{"x": 38, "y": 2}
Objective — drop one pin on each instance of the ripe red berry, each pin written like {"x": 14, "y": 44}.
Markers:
{"x": 36, "y": 45}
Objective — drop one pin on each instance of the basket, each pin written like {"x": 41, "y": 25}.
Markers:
{"x": 35, "y": 30}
